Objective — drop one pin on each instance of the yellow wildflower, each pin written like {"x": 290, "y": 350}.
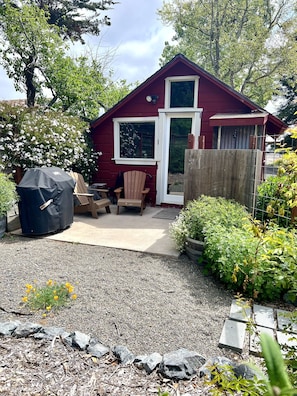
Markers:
{"x": 49, "y": 282}
{"x": 74, "y": 296}
{"x": 25, "y": 299}
{"x": 48, "y": 308}
{"x": 56, "y": 298}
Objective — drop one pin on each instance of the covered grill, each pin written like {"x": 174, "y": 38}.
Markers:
{"x": 46, "y": 200}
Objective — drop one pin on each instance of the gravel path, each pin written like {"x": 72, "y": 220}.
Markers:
{"x": 145, "y": 302}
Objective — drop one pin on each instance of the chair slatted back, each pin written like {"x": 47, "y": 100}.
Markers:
{"x": 80, "y": 187}
{"x": 134, "y": 182}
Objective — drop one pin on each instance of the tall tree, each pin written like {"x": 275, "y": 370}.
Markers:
{"x": 80, "y": 86}
{"x": 28, "y": 43}
{"x": 242, "y": 42}
{"x": 288, "y": 109}
{"x": 73, "y": 17}
{"x": 35, "y": 57}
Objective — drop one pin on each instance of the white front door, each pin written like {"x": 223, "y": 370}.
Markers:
{"x": 175, "y": 128}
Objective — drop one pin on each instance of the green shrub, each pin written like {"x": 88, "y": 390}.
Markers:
{"x": 271, "y": 204}
{"x": 261, "y": 263}
{"x": 203, "y": 211}
{"x": 248, "y": 257}
{"x": 8, "y": 193}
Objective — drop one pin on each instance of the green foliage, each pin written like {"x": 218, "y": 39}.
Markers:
{"x": 31, "y": 138}
{"x": 279, "y": 382}
{"x": 224, "y": 382}
{"x": 277, "y": 196}
{"x": 8, "y": 193}
{"x": 203, "y": 211}
{"x": 76, "y": 18}
{"x": 258, "y": 261}
{"x": 271, "y": 204}
{"x": 28, "y": 43}
{"x": 79, "y": 86}
{"x": 237, "y": 41}
{"x": 49, "y": 297}
{"x": 35, "y": 57}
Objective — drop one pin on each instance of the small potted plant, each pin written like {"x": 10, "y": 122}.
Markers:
{"x": 8, "y": 197}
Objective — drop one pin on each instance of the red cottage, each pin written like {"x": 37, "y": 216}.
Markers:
{"x": 180, "y": 106}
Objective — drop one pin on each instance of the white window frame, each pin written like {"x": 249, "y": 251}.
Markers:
{"x": 168, "y": 82}
{"x": 116, "y": 141}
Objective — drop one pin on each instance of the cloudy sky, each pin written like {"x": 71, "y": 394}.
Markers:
{"x": 135, "y": 39}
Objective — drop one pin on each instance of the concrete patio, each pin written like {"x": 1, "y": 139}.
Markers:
{"x": 128, "y": 230}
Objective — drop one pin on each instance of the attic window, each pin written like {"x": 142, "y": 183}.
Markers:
{"x": 135, "y": 140}
{"x": 181, "y": 92}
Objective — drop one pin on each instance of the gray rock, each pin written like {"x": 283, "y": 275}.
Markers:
{"x": 80, "y": 340}
{"x": 7, "y": 328}
{"x": 97, "y": 349}
{"x": 181, "y": 364}
{"x": 220, "y": 362}
{"x": 123, "y": 354}
{"x": 247, "y": 372}
{"x": 49, "y": 333}
{"x": 26, "y": 329}
{"x": 148, "y": 362}
{"x": 68, "y": 338}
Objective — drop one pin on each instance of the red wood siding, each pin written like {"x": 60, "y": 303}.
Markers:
{"x": 213, "y": 97}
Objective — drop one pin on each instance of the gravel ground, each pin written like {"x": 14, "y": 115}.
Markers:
{"x": 148, "y": 303}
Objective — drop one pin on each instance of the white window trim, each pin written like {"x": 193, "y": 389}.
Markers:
{"x": 168, "y": 82}
{"x": 116, "y": 139}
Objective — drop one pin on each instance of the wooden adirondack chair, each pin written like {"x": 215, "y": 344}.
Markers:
{"x": 86, "y": 201}
{"x": 134, "y": 191}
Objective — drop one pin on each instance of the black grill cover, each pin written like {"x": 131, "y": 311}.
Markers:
{"x": 46, "y": 200}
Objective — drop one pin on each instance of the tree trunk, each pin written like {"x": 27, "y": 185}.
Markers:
{"x": 29, "y": 81}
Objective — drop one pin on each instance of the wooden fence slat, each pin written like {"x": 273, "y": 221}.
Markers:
{"x": 232, "y": 174}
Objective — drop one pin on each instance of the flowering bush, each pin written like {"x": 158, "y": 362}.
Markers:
{"x": 49, "y": 297}
{"x": 34, "y": 138}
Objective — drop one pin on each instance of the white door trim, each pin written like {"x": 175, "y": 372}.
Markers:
{"x": 164, "y": 133}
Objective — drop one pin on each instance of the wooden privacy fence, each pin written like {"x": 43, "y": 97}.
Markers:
{"x": 232, "y": 174}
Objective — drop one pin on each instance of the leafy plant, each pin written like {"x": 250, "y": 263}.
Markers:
{"x": 271, "y": 204}
{"x": 277, "y": 196}
{"x": 224, "y": 382}
{"x": 259, "y": 262}
{"x": 8, "y": 193}
{"x": 279, "y": 382}
{"x": 204, "y": 211}
{"x": 49, "y": 297}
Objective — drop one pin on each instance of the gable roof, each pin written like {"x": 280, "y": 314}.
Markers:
{"x": 276, "y": 122}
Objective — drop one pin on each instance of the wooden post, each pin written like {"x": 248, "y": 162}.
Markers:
{"x": 201, "y": 142}
{"x": 191, "y": 141}
{"x": 253, "y": 142}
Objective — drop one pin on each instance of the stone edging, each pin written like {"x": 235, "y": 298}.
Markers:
{"x": 181, "y": 364}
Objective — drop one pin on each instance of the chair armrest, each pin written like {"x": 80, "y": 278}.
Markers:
{"x": 118, "y": 191}
{"x": 84, "y": 194}
{"x": 103, "y": 190}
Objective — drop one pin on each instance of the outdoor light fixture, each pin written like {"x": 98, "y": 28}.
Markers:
{"x": 152, "y": 99}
